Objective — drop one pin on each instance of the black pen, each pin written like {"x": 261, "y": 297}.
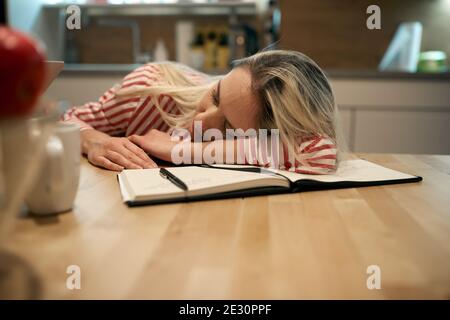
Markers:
{"x": 166, "y": 174}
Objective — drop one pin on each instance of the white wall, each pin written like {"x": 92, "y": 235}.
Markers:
{"x": 43, "y": 25}
{"x": 22, "y": 14}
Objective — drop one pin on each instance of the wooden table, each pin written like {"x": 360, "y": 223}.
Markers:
{"x": 307, "y": 245}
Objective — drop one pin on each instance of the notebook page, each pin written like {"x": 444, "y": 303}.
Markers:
{"x": 350, "y": 170}
{"x": 149, "y": 183}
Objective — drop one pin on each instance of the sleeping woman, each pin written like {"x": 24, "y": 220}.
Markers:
{"x": 132, "y": 123}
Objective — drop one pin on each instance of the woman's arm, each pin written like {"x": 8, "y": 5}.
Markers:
{"x": 161, "y": 145}
{"x": 313, "y": 156}
{"x": 99, "y": 120}
{"x": 232, "y": 151}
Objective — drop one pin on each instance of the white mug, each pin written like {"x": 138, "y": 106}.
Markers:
{"x": 56, "y": 187}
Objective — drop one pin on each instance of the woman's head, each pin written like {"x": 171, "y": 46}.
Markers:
{"x": 294, "y": 93}
{"x": 230, "y": 103}
{"x": 275, "y": 89}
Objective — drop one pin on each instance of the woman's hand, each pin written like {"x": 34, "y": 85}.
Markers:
{"x": 157, "y": 143}
{"x": 114, "y": 153}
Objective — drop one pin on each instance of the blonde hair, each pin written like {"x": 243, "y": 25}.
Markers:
{"x": 186, "y": 93}
{"x": 296, "y": 97}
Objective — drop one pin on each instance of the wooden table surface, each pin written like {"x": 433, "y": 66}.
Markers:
{"x": 306, "y": 245}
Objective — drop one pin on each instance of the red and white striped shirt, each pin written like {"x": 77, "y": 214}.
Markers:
{"x": 125, "y": 116}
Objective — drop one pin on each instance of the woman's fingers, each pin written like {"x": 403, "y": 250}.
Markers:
{"x": 107, "y": 164}
{"x": 132, "y": 157}
{"x": 120, "y": 159}
{"x": 116, "y": 154}
{"x": 147, "y": 162}
{"x": 146, "y": 142}
{"x": 137, "y": 140}
{"x": 156, "y": 143}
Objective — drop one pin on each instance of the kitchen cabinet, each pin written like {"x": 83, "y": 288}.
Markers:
{"x": 395, "y": 114}
{"x": 346, "y": 117}
{"x": 402, "y": 131}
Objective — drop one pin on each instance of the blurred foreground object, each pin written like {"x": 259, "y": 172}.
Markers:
{"x": 22, "y": 73}
{"x": 24, "y": 128}
{"x": 22, "y": 150}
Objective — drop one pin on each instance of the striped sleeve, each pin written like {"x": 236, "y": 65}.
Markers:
{"x": 111, "y": 114}
{"x": 313, "y": 155}
{"x": 110, "y": 117}
{"x": 316, "y": 155}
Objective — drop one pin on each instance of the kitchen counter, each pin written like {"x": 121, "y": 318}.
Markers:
{"x": 383, "y": 75}
{"x": 108, "y": 69}
{"x": 104, "y": 69}
{"x": 98, "y": 68}
{"x": 310, "y": 245}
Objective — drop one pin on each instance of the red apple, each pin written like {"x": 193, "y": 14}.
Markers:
{"x": 22, "y": 73}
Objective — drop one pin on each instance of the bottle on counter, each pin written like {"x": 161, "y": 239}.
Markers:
{"x": 223, "y": 52}
{"x": 240, "y": 44}
{"x": 160, "y": 53}
{"x": 197, "y": 52}
{"x": 210, "y": 51}
{"x": 184, "y": 37}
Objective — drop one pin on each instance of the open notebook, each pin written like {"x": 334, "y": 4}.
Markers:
{"x": 146, "y": 186}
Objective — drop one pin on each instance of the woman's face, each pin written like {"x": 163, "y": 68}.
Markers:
{"x": 229, "y": 104}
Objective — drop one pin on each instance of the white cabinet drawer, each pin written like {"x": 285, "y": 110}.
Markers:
{"x": 402, "y": 131}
